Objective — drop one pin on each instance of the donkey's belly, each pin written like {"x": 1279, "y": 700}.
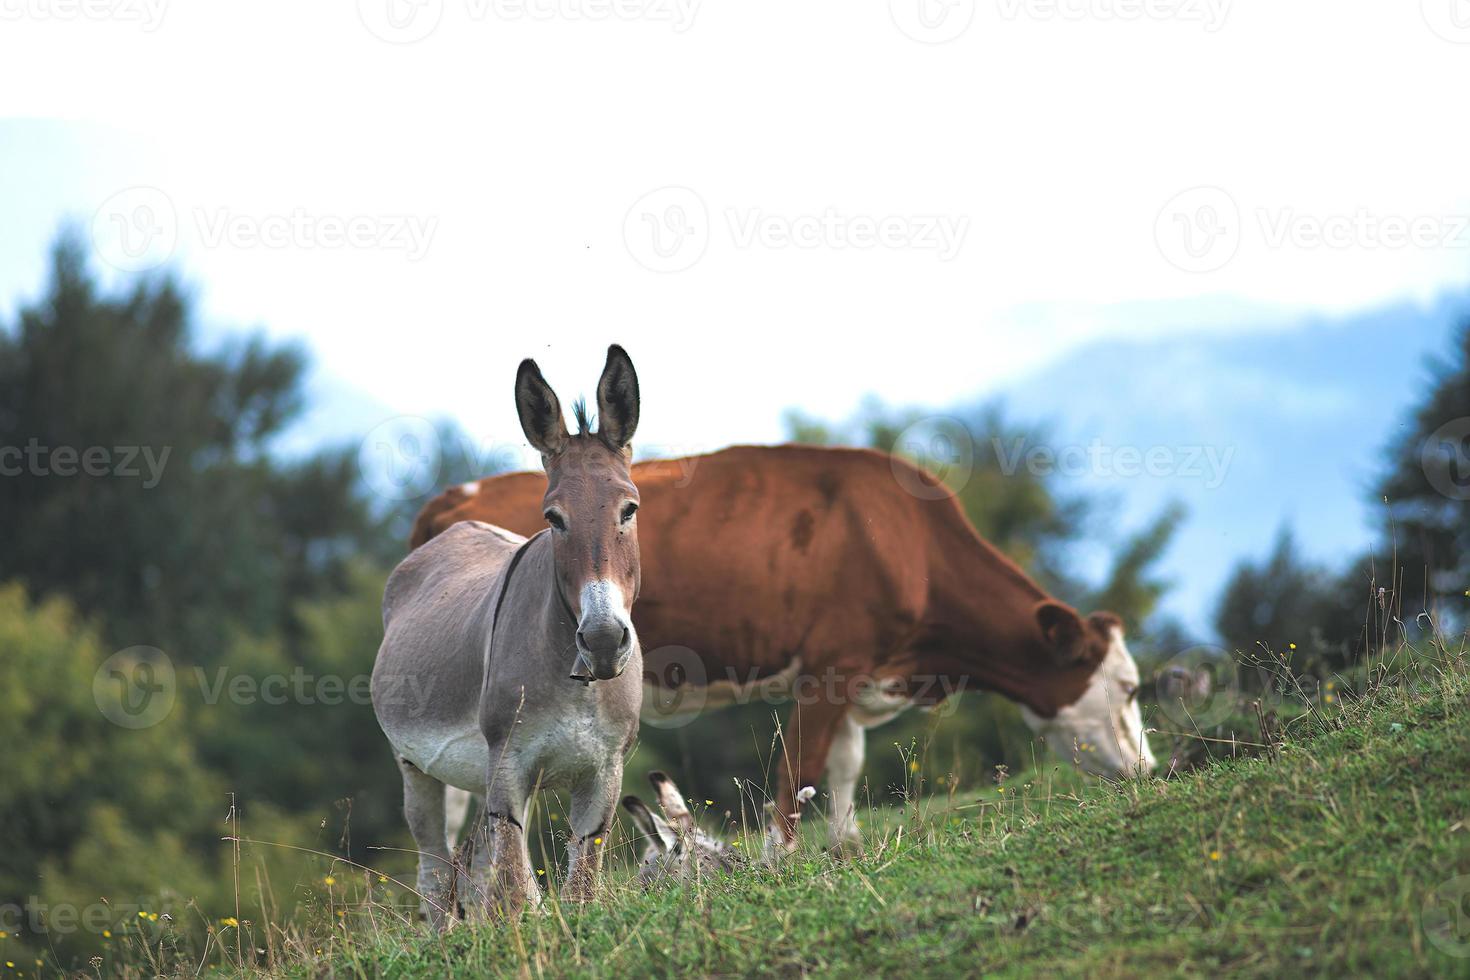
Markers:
{"x": 457, "y": 756}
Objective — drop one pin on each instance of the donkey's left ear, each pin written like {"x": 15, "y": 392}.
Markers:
{"x": 653, "y": 828}
{"x": 617, "y": 399}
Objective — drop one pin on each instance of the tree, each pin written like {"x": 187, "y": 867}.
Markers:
{"x": 1427, "y": 488}
{"x": 1271, "y": 605}
{"x": 137, "y": 474}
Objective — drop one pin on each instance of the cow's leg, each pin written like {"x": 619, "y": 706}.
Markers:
{"x": 844, "y": 766}
{"x": 423, "y": 808}
{"x": 510, "y": 880}
{"x": 806, "y": 743}
{"x": 591, "y": 818}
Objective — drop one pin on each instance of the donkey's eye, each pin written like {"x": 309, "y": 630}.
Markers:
{"x": 555, "y": 519}
{"x": 629, "y": 509}
{"x": 1130, "y": 691}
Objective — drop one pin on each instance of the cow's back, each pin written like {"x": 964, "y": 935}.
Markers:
{"x": 756, "y": 554}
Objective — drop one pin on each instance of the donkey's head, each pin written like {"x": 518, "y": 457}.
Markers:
{"x": 590, "y": 505}
{"x": 1090, "y": 709}
{"x": 675, "y": 847}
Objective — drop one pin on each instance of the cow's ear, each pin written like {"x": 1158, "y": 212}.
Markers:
{"x": 539, "y": 410}
{"x": 1063, "y": 633}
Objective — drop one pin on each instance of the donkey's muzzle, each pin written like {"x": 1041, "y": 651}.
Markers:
{"x": 605, "y": 641}
{"x": 602, "y": 652}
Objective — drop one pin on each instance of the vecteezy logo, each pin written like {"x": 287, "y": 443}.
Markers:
{"x": 1198, "y": 687}
{"x": 932, "y": 21}
{"x": 1199, "y": 229}
{"x": 667, "y": 230}
{"x": 135, "y": 229}
{"x": 1450, "y": 19}
{"x": 944, "y": 453}
{"x": 134, "y": 688}
{"x": 1446, "y": 459}
{"x": 399, "y": 459}
{"x": 400, "y": 21}
{"x": 1446, "y": 917}
{"x": 675, "y": 687}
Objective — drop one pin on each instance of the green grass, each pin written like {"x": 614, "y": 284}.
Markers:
{"x": 1318, "y": 860}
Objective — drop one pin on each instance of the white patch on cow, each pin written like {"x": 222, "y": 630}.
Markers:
{"x": 875, "y": 704}
{"x": 1103, "y": 729}
{"x": 471, "y": 488}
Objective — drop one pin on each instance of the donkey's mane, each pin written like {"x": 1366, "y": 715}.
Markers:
{"x": 584, "y": 422}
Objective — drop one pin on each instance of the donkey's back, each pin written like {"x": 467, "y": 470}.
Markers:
{"x": 437, "y": 609}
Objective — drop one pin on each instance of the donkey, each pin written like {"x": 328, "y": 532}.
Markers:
{"x": 675, "y": 848}
{"x": 518, "y": 652}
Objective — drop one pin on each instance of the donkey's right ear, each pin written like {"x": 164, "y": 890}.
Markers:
{"x": 650, "y": 824}
{"x": 540, "y": 411}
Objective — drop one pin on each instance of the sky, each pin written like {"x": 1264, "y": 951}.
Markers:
{"x": 771, "y": 206}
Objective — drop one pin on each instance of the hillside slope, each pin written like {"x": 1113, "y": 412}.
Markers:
{"x": 1339, "y": 856}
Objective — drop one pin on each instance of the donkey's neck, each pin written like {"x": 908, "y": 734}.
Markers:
{"x": 981, "y": 620}
{"x": 533, "y": 581}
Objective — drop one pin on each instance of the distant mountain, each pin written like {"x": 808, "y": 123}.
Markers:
{"x": 1295, "y": 419}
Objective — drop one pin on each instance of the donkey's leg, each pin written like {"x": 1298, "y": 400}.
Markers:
{"x": 423, "y": 807}
{"x": 456, "y": 808}
{"x": 508, "y": 859}
{"x": 844, "y": 766}
{"x": 807, "y": 741}
{"x": 591, "y": 819}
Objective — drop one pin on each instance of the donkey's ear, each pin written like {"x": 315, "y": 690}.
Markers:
{"x": 671, "y": 801}
{"x": 650, "y": 824}
{"x": 540, "y": 411}
{"x": 617, "y": 399}
{"x": 1063, "y": 633}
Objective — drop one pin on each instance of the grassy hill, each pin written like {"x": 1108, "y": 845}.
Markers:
{"x": 1342, "y": 848}
{"x": 1323, "y": 856}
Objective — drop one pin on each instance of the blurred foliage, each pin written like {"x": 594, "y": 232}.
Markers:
{"x": 1285, "y": 603}
{"x": 1427, "y": 490}
{"x": 185, "y": 527}
{"x": 1337, "y": 617}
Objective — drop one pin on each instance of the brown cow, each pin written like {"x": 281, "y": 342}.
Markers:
{"x": 816, "y": 572}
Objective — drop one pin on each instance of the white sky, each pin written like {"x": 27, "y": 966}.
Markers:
{"x": 1054, "y": 140}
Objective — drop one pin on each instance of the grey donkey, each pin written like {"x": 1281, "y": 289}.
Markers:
{"x": 509, "y": 664}
{"x": 675, "y": 849}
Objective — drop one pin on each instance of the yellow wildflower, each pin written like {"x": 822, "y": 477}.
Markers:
{"x": 329, "y": 881}
{"x": 1214, "y": 855}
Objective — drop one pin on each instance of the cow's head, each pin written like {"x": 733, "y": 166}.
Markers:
{"x": 1089, "y": 709}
